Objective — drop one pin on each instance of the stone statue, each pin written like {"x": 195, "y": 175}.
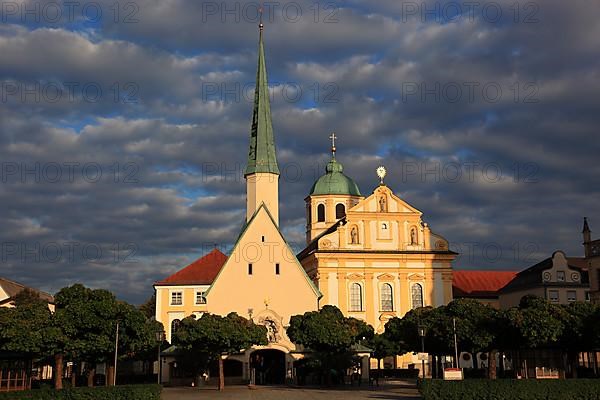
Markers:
{"x": 271, "y": 326}
{"x": 354, "y": 235}
{"x": 382, "y": 205}
{"x": 413, "y": 236}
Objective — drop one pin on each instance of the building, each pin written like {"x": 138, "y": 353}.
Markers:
{"x": 372, "y": 256}
{"x": 558, "y": 279}
{"x": 10, "y": 289}
{"x": 592, "y": 261}
{"x": 260, "y": 279}
{"x": 483, "y": 286}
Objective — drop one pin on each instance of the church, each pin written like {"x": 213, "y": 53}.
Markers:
{"x": 371, "y": 256}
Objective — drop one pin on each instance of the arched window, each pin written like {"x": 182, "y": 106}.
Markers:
{"x": 340, "y": 211}
{"x": 417, "y": 296}
{"x": 356, "y": 297}
{"x": 174, "y": 326}
{"x": 321, "y": 213}
{"x": 387, "y": 297}
{"x": 309, "y": 214}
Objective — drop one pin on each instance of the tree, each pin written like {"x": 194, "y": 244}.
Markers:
{"x": 89, "y": 319}
{"x": 149, "y": 307}
{"x": 538, "y": 322}
{"x": 211, "y": 336}
{"x": 330, "y": 336}
{"x": 579, "y": 333}
{"x": 32, "y": 330}
{"x": 382, "y": 347}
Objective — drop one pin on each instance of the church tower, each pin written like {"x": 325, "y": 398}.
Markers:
{"x": 262, "y": 172}
{"x": 330, "y": 196}
{"x": 587, "y": 237}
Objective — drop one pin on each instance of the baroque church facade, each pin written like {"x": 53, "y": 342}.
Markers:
{"x": 371, "y": 256}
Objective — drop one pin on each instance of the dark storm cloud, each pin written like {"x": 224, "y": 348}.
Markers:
{"x": 505, "y": 178}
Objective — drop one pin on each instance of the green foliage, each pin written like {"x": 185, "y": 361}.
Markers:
{"x": 137, "y": 392}
{"x": 28, "y": 328}
{"x": 89, "y": 318}
{"x": 327, "y": 330}
{"x": 82, "y": 328}
{"x": 505, "y": 389}
{"x": 581, "y": 326}
{"x": 211, "y": 335}
{"x": 382, "y": 346}
{"x": 330, "y": 336}
{"x": 149, "y": 307}
{"x": 535, "y": 323}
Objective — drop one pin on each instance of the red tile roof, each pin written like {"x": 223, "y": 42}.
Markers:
{"x": 474, "y": 283}
{"x": 203, "y": 271}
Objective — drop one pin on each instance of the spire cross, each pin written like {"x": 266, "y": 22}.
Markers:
{"x": 260, "y": 13}
{"x": 333, "y": 137}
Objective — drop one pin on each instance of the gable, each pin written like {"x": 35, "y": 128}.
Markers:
{"x": 382, "y": 196}
{"x": 262, "y": 245}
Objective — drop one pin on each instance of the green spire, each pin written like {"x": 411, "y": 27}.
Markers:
{"x": 261, "y": 157}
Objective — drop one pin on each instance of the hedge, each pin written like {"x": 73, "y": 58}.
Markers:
{"x": 510, "y": 389}
{"x": 131, "y": 392}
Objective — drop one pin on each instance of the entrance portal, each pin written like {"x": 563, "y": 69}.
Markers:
{"x": 269, "y": 366}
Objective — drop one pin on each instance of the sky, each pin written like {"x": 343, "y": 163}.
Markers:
{"x": 124, "y": 126}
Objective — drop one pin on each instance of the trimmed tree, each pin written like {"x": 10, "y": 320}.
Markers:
{"x": 330, "y": 336}
{"x": 211, "y": 336}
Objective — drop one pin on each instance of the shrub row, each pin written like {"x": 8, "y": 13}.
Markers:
{"x": 133, "y": 392}
{"x": 509, "y": 389}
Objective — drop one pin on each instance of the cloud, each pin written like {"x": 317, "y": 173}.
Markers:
{"x": 513, "y": 170}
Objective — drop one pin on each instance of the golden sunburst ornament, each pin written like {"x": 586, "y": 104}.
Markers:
{"x": 381, "y": 173}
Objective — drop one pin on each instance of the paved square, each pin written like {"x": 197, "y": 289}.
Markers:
{"x": 399, "y": 390}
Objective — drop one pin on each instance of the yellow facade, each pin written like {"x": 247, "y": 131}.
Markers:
{"x": 379, "y": 261}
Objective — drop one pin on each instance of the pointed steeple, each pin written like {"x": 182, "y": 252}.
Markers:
{"x": 586, "y": 227}
{"x": 261, "y": 157}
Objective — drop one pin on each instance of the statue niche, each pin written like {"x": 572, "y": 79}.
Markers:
{"x": 382, "y": 204}
{"x": 354, "y": 235}
{"x": 413, "y": 236}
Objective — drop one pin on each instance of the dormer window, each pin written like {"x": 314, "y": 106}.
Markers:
{"x": 560, "y": 276}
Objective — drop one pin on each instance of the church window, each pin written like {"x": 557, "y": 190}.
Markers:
{"x": 356, "y": 297}
{"x": 340, "y": 211}
{"x": 249, "y": 269}
{"x": 321, "y": 213}
{"x": 277, "y": 269}
{"x": 200, "y": 299}
{"x": 176, "y": 298}
{"x": 174, "y": 327}
{"x": 387, "y": 298}
{"x": 417, "y": 296}
{"x": 263, "y": 239}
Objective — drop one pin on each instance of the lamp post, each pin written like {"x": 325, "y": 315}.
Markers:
{"x": 422, "y": 331}
{"x": 160, "y": 334}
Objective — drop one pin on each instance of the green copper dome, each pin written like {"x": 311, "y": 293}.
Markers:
{"x": 335, "y": 182}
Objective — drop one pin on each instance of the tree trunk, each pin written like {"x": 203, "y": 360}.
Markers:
{"x": 492, "y": 372}
{"x": 58, "y": 372}
{"x": 221, "y": 374}
{"x": 74, "y": 375}
{"x": 90, "y": 377}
